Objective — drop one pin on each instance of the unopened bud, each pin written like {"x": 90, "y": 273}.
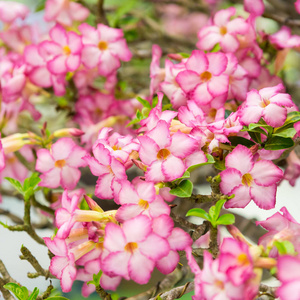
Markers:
{"x": 68, "y": 132}
{"x": 14, "y": 142}
{"x": 92, "y": 204}
{"x": 140, "y": 165}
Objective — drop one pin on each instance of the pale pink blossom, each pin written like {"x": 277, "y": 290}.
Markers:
{"x": 10, "y": 11}
{"x": 134, "y": 249}
{"x": 63, "y": 50}
{"x": 267, "y": 103}
{"x": 204, "y": 78}
{"x": 292, "y": 171}
{"x": 59, "y": 166}
{"x": 297, "y": 6}
{"x": 288, "y": 272}
{"x": 284, "y": 39}
{"x": 108, "y": 169}
{"x": 104, "y": 47}
{"x": 140, "y": 198}
{"x": 157, "y": 74}
{"x": 223, "y": 31}
{"x": 281, "y": 227}
{"x": 65, "y": 12}
{"x": 251, "y": 180}
{"x": 164, "y": 154}
{"x": 254, "y": 7}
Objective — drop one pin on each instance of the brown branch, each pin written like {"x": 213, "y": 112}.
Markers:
{"x": 45, "y": 208}
{"x": 40, "y": 271}
{"x": 282, "y": 20}
{"x": 213, "y": 243}
{"x": 176, "y": 293}
{"x": 6, "y": 294}
{"x": 265, "y": 290}
{"x": 101, "y": 292}
{"x": 101, "y": 17}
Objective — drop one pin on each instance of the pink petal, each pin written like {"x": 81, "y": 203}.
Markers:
{"x": 264, "y": 196}
{"x": 120, "y": 49}
{"x": 78, "y": 12}
{"x": 108, "y": 63}
{"x": 265, "y": 173}
{"x": 197, "y": 62}
{"x": 201, "y": 95}
{"x": 110, "y": 283}
{"x": 41, "y": 77}
{"x": 140, "y": 268}
{"x": 128, "y": 194}
{"x": 137, "y": 229}
{"x": 289, "y": 290}
{"x": 188, "y": 80}
{"x": 179, "y": 239}
{"x": 116, "y": 264}
{"x": 254, "y": 7}
{"x": 182, "y": 145}
{"x": 173, "y": 168}
{"x": 218, "y": 85}
{"x": 51, "y": 179}
{"x": 229, "y": 43}
{"x": 127, "y": 212}
{"x": 146, "y": 191}
{"x": 148, "y": 151}
{"x": 73, "y": 62}
{"x": 103, "y": 188}
{"x": 274, "y": 115}
{"x": 209, "y": 40}
{"x": 154, "y": 172}
{"x": 288, "y": 268}
{"x": 114, "y": 238}
{"x": 90, "y": 56}
{"x": 168, "y": 263}
{"x": 230, "y": 178}
{"x": 58, "y": 34}
{"x": 217, "y": 63}
{"x": 45, "y": 161}
{"x": 96, "y": 168}
{"x": 240, "y": 154}
{"x": 69, "y": 177}
{"x": 58, "y": 65}
{"x": 241, "y": 199}
{"x": 250, "y": 114}
{"x": 75, "y": 158}
{"x": 222, "y": 17}
{"x": 68, "y": 277}
{"x": 160, "y": 134}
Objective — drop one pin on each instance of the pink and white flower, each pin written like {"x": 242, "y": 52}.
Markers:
{"x": 283, "y": 38}
{"x": 204, "y": 77}
{"x": 59, "y": 166}
{"x": 103, "y": 47}
{"x": 134, "y": 249}
{"x": 254, "y": 7}
{"x": 251, "y": 180}
{"x": 10, "y": 11}
{"x": 268, "y": 104}
{"x": 65, "y": 12}
{"x": 223, "y": 31}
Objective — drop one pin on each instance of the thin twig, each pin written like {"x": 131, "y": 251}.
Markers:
{"x": 282, "y": 20}
{"x": 101, "y": 292}
{"x": 176, "y": 293}
{"x": 101, "y": 17}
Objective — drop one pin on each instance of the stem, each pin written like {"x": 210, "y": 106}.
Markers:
{"x": 100, "y": 291}
{"x": 101, "y": 17}
{"x": 176, "y": 293}
{"x": 213, "y": 243}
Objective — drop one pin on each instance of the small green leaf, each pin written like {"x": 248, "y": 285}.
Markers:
{"x": 16, "y": 184}
{"x": 226, "y": 219}
{"x": 287, "y": 133}
{"x": 34, "y": 294}
{"x": 256, "y": 137}
{"x": 34, "y": 180}
{"x": 183, "y": 190}
{"x": 284, "y": 247}
{"x": 211, "y": 212}
{"x": 220, "y": 165}
{"x": 40, "y": 6}
{"x": 237, "y": 140}
{"x": 184, "y": 55}
{"x": 256, "y": 129}
{"x": 144, "y": 102}
{"x": 20, "y": 292}
{"x": 278, "y": 143}
{"x": 210, "y": 160}
{"x": 198, "y": 212}
{"x": 218, "y": 206}
{"x": 154, "y": 101}
{"x": 132, "y": 122}
{"x": 292, "y": 117}
{"x": 139, "y": 115}
{"x": 96, "y": 279}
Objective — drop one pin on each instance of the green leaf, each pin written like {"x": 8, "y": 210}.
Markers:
{"x": 210, "y": 160}
{"x": 20, "y": 292}
{"x": 211, "y": 212}
{"x": 284, "y": 247}
{"x": 292, "y": 117}
{"x": 183, "y": 190}
{"x": 34, "y": 179}
{"x": 154, "y": 101}
{"x": 238, "y": 140}
{"x": 139, "y": 115}
{"x": 34, "y": 294}
{"x": 226, "y": 219}
{"x": 40, "y": 6}
{"x": 134, "y": 121}
{"x": 220, "y": 165}
{"x": 96, "y": 279}
{"x": 255, "y": 136}
{"x": 144, "y": 102}
{"x": 219, "y": 206}
{"x": 122, "y": 10}
{"x": 16, "y": 184}
{"x": 278, "y": 143}
{"x": 186, "y": 174}
{"x": 184, "y": 55}
{"x": 256, "y": 129}
{"x": 286, "y": 133}
{"x": 198, "y": 212}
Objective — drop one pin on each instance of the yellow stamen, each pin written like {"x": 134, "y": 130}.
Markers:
{"x": 243, "y": 259}
{"x": 67, "y": 50}
{"x": 264, "y": 103}
{"x": 205, "y": 76}
{"x": 163, "y": 154}
{"x": 131, "y": 247}
{"x": 60, "y": 163}
{"x": 219, "y": 284}
{"x": 143, "y": 204}
{"x": 223, "y": 30}
{"x": 103, "y": 45}
{"x": 247, "y": 179}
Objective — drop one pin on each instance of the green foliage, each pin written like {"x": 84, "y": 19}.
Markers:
{"x": 213, "y": 216}
{"x": 96, "y": 279}
{"x": 210, "y": 160}
{"x": 21, "y": 292}
{"x": 29, "y": 186}
{"x": 278, "y": 143}
{"x": 285, "y": 247}
{"x": 183, "y": 190}
{"x": 238, "y": 140}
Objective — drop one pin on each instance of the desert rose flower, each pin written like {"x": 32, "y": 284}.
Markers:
{"x": 223, "y": 31}
{"x": 65, "y": 12}
{"x": 289, "y": 275}
{"x": 59, "y": 166}
{"x": 284, "y": 39}
{"x": 104, "y": 47}
{"x": 10, "y": 11}
{"x": 268, "y": 104}
{"x": 204, "y": 77}
{"x": 250, "y": 180}
{"x": 254, "y": 7}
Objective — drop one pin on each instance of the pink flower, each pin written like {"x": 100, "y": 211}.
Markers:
{"x": 2, "y": 157}
{"x": 164, "y": 154}
{"x": 282, "y": 227}
{"x": 289, "y": 274}
{"x": 268, "y": 104}
{"x": 223, "y": 31}
{"x": 134, "y": 249}
{"x": 254, "y": 7}
{"x": 140, "y": 199}
{"x": 204, "y": 78}
{"x": 103, "y": 47}
{"x": 297, "y": 6}
{"x": 64, "y": 50}
{"x": 59, "y": 166}
{"x": 10, "y": 11}
{"x": 65, "y": 12}
{"x": 157, "y": 74}
{"x": 109, "y": 170}
{"x": 284, "y": 39}
{"x": 292, "y": 171}
{"x": 252, "y": 179}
